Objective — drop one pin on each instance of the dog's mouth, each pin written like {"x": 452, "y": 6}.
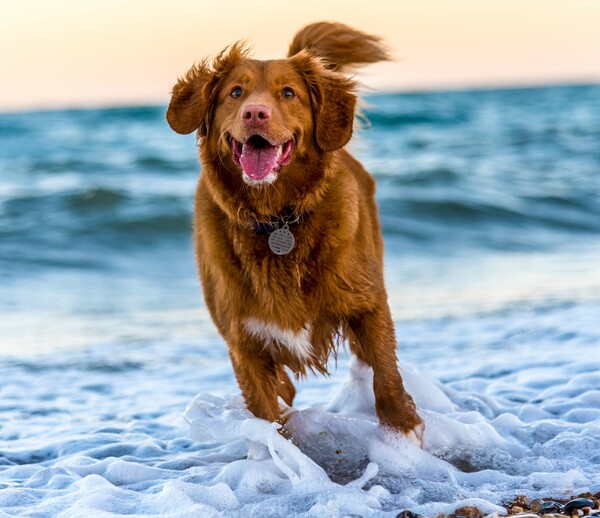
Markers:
{"x": 260, "y": 159}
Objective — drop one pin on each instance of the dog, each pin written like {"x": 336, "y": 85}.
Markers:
{"x": 287, "y": 235}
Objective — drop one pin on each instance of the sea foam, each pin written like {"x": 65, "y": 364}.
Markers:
{"x": 469, "y": 457}
{"x": 100, "y": 432}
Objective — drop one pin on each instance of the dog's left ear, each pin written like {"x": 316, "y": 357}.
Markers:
{"x": 334, "y": 115}
{"x": 333, "y": 101}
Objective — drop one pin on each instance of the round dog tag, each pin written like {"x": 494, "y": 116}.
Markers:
{"x": 281, "y": 241}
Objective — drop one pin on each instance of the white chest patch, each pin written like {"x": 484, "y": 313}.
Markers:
{"x": 296, "y": 342}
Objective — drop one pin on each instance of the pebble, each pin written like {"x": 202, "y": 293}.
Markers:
{"x": 468, "y": 511}
{"x": 550, "y": 507}
{"x": 536, "y": 504}
{"x": 578, "y": 503}
{"x": 407, "y": 513}
{"x": 521, "y": 506}
{"x": 521, "y": 501}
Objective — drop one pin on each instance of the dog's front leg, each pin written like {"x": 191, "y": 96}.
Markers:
{"x": 373, "y": 341}
{"x": 256, "y": 374}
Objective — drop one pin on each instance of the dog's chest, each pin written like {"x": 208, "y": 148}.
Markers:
{"x": 298, "y": 343}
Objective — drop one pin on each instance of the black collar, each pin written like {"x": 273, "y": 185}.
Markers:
{"x": 288, "y": 216}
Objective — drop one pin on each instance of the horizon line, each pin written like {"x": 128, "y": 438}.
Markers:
{"x": 364, "y": 90}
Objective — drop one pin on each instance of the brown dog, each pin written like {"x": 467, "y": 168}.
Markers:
{"x": 287, "y": 235}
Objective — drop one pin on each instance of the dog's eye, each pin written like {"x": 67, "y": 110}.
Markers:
{"x": 288, "y": 93}
{"x": 236, "y": 92}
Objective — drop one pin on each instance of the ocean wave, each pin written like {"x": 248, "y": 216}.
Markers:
{"x": 387, "y": 120}
{"x": 63, "y": 165}
{"x": 415, "y": 209}
{"x": 50, "y": 207}
{"x": 45, "y": 227}
{"x": 96, "y": 198}
{"x": 165, "y": 224}
{"x": 436, "y": 177}
{"x": 405, "y": 204}
{"x": 471, "y": 212}
{"x": 497, "y": 167}
{"x": 164, "y": 164}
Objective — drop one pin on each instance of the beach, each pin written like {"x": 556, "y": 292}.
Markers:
{"x": 117, "y": 395}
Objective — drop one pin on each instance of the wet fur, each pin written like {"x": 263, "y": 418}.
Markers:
{"x": 332, "y": 281}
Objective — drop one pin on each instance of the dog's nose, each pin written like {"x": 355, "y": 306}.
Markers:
{"x": 256, "y": 114}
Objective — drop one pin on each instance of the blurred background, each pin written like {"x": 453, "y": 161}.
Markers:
{"x": 68, "y": 53}
{"x": 484, "y": 140}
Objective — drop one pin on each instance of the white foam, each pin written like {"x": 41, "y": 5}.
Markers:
{"x": 491, "y": 449}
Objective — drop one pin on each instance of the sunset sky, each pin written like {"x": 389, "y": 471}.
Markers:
{"x": 58, "y": 53}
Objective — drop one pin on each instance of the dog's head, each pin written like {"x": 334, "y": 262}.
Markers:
{"x": 259, "y": 117}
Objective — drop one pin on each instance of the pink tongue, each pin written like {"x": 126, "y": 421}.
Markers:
{"x": 258, "y": 162}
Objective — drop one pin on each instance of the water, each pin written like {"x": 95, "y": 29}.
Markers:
{"x": 491, "y": 216}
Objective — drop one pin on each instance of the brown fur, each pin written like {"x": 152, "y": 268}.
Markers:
{"x": 342, "y": 46}
{"x": 333, "y": 279}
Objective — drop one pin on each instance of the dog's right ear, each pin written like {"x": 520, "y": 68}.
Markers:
{"x": 194, "y": 95}
{"x": 190, "y": 98}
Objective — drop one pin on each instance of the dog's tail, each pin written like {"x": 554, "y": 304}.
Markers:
{"x": 341, "y": 47}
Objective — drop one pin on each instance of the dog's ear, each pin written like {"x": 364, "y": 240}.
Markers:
{"x": 334, "y": 112}
{"x": 194, "y": 95}
{"x": 189, "y": 104}
{"x": 333, "y": 101}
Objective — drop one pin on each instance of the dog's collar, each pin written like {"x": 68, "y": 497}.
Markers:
{"x": 287, "y": 217}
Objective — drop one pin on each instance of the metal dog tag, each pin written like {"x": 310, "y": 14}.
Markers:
{"x": 281, "y": 241}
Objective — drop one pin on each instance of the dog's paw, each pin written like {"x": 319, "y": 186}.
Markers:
{"x": 395, "y": 434}
{"x": 416, "y": 435}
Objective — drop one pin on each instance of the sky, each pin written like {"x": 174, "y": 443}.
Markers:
{"x": 68, "y": 53}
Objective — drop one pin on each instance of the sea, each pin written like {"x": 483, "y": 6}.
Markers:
{"x": 117, "y": 397}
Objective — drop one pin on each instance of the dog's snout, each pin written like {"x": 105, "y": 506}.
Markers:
{"x": 256, "y": 114}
